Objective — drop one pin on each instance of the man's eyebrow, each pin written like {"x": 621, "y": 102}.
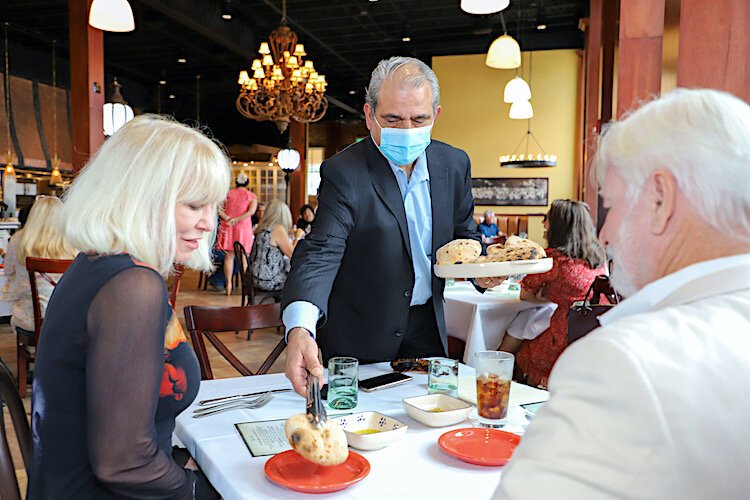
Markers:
{"x": 392, "y": 116}
{"x": 421, "y": 117}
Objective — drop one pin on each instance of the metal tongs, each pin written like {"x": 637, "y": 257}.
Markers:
{"x": 316, "y": 412}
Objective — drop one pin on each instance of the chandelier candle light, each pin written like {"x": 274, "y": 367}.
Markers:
{"x": 283, "y": 85}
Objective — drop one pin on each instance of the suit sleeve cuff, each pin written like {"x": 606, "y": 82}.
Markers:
{"x": 301, "y": 314}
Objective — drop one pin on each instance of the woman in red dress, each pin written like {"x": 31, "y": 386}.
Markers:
{"x": 236, "y": 224}
{"x": 578, "y": 259}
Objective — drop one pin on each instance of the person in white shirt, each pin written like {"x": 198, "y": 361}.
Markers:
{"x": 651, "y": 405}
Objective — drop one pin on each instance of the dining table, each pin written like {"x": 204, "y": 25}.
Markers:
{"x": 411, "y": 466}
{"x": 481, "y": 320}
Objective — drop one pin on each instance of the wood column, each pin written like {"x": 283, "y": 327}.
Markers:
{"x": 714, "y": 50}
{"x": 588, "y": 188}
{"x": 86, "y": 83}
{"x": 298, "y": 184}
{"x": 639, "y": 57}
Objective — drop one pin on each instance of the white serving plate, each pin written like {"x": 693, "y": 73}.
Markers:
{"x": 493, "y": 269}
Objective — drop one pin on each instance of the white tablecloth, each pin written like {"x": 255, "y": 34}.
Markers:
{"x": 481, "y": 320}
{"x": 412, "y": 465}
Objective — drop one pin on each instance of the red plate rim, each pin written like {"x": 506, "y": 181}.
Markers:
{"x": 292, "y": 456}
{"x": 445, "y": 443}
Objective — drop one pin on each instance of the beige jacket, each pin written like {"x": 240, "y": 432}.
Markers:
{"x": 654, "y": 405}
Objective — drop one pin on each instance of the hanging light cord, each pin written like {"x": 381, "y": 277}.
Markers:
{"x": 198, "y": 98}
{"x": 7, "y": 88}
{"x": 54, "y": 97}
{"x": 283, "y": 11}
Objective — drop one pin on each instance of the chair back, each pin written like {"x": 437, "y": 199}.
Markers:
{"x": 584, "y": 317}
{"x": 174, "y": 289}
{"x": 246, "y": 274}
{"x": 204, "y": 322}
{"x": 9, "y": 396}
{"x": 43, "y": 267}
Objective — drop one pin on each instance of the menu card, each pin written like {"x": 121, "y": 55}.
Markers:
{"x": 264, "y": 438}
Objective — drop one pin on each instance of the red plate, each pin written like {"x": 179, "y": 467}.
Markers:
{"x": 480, "y": 446}
{"x": 290, "y": 469}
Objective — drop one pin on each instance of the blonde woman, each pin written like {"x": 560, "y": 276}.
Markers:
{"x": 41, "y": 238}
{"x": 113, "y": 367}
{"x": 272, "y": 248}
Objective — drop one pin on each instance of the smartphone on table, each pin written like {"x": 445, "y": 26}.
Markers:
{"x": 383, "y": 381}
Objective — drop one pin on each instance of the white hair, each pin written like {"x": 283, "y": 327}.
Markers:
{"x": 488, "y": 213}
{"x": 124, "y": 200}
{"x": 703, "y": 138}
{"x": 388, "y": 68}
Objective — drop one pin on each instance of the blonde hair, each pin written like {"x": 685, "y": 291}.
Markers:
{"x": 124, "y": 200}
{"x": 277, "y": 212}
{"x": 40, "y": 236}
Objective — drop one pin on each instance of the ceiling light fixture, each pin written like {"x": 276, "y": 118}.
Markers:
{"x": 226, "y": 10}
{"x": 523, "y": 110}
{"x": 504, "y": 52}
{"x": 181, "y": 60}
{"x": 516, "y": 90}
{"x": 288, "y": 162}
{"x": 56, "y": 176}
{"x": 117, "y": 111}
{"x": 482, "y": 7}
{"x": 541, "y": 18}
{"x": 9, "y": 170}
{"x": 112, "y": 15}
{"x": 283, "y": 85}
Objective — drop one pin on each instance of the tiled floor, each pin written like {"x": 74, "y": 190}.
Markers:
{"x": 252, "y": 353}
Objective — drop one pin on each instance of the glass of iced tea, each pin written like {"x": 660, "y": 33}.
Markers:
{"x": 494, "y": 373}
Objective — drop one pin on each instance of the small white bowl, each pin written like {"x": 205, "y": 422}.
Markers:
{"x": 388, "y": 429}
{"x": 437, "y": 410}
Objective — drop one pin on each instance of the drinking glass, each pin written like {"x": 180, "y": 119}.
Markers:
{"x": 494, "y": 373}
{"x": 343, "y": 383}
{"x": 442, "y": 377}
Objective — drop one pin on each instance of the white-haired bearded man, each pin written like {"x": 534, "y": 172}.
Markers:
{"x": 650, "y": 405}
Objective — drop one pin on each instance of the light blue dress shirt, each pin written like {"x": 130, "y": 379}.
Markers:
{"x": 418, "y": 207}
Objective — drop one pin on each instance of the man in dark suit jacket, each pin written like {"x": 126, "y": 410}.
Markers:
{"x": 363, "y": 277}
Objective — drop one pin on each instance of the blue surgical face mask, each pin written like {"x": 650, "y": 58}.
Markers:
{"x": 403, "y": 145}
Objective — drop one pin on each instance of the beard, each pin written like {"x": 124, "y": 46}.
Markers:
{"x": 622, "y": 280}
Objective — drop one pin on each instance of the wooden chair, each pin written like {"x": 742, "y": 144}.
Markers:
{"x": 26, "y": 345}
{"x": 207, "y": 321}
{"x": 174, "y": 289}
{"x": 12, "y": 400}
{"x": 250, "y": 294}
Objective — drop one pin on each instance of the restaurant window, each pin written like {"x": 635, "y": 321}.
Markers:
{"x": 266, "y": 182}
{"x": 314, "y": 159}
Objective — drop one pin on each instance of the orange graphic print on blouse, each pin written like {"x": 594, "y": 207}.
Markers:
{"x": 174, "y": 380}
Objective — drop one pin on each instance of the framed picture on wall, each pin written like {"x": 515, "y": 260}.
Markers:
{"x": 509, "y": 191}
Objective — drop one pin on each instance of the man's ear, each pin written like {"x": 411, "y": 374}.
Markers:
{"x": 662, "y": 188}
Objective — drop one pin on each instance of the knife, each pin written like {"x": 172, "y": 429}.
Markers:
{"x": 239, "y": 396}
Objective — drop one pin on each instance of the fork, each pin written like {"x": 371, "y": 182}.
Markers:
{"x": 259, "y": 402}
{"x": 222, "y": 404}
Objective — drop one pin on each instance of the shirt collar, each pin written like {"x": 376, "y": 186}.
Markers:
{"x": 653, "y": 293}
{"x": 420, "y": 172}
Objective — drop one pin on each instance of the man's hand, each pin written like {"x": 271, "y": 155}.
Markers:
{"x": 489, "y": 282}
{"x": 302, "y": 356}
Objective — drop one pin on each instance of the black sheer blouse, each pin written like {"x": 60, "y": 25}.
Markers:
{"x": 113, "y": 370}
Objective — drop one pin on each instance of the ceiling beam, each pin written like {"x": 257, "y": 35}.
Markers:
{"x": 190, "y": 22}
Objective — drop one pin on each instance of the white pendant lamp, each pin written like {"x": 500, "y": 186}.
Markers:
{"x": 288, "y": 159}
{"x": 504, "y": 53}
{"x": 521, "y": 110}
{"x": 112, "y": 15}
{"x": 117, "y": 111}
{"x": 482, "y": 7}
{"x": 516, "y": 90}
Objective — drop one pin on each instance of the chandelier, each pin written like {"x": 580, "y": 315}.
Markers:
{"x": 283, "y": 86}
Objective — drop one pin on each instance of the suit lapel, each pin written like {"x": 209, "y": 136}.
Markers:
{"x": 439, "y": 194}
{"x": 726, "y": 281}
{"x": 386, "y": 187}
